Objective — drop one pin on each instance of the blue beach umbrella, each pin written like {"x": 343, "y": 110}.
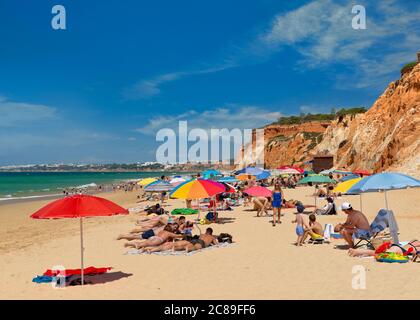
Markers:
{"x": 211, "y": 173}
{"x": 159, "y": 186}
{"x": 228, "y": 179}
{"x": 259, "y": 173}
{"x": 384, "y": 182}
{"x": 349, "y": 177}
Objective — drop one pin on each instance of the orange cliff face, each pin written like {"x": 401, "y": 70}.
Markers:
{"x": 287, "y": 144}
{"x": 386, "y": 137}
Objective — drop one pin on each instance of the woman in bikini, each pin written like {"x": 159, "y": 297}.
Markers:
{"x": 410, "y": 248}
{"x": 163, "y": 236}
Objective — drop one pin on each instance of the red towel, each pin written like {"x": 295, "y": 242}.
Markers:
{"x": 69, "y": 272}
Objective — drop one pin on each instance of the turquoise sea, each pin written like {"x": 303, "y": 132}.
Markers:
{"x": 30, "y": 184}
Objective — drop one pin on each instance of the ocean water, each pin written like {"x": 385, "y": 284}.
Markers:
{"x": 33, "y": 184}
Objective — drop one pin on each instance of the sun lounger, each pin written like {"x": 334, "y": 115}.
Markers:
{"x": 384, "y": 219}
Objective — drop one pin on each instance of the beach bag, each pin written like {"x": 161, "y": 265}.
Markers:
{"x": 210, "y": 216}
{"x": 224, "y": 237}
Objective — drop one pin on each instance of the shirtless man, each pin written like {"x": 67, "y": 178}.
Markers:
{"x": 144, "y": 235}
{"x": 141, "y": 235}
{"x": 356, "y": 224}
{"x": 163, "y": 236}
{"x": 203, "y": 241}
{"x": 314, "y": 229}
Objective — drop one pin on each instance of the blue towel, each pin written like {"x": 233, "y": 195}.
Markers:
{"x": 42, "y": 279}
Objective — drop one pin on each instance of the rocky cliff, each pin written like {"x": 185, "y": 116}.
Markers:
{"x": 386, "y": 137}
{"x": 288, "y": 144}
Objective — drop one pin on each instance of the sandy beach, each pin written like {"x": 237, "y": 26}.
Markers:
{"x": 262, "y": 264}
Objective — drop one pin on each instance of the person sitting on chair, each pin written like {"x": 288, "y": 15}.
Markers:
{"x": 329, "y": 208}
{"x": 314, "y": 230}
{"x": 356, "y": 224}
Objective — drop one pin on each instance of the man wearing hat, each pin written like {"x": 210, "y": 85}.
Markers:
{"x": 356, "y": 224}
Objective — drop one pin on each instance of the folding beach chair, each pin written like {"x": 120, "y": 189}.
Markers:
{"x": 384, "y": 219}
{"x": 317, "y": 240}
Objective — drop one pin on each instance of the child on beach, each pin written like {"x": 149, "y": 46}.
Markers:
{"x": 300, "y": 230}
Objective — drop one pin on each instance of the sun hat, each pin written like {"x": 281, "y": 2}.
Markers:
{"x": 346, "y": 206}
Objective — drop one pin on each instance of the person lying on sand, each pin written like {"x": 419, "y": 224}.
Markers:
{"x": 320, "y": 192}
{"x": 314, "y": 229}
{"x": 157, "y": 221}
{"x": 412, "y": 247}
{"x": 356, "y": 224}
{"x": 141, "y": 235}
{"x": 193, "y": 244}
{"x": 163, "y": 236}
{"x": 175, "y": 228}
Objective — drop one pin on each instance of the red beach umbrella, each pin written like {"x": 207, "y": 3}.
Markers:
{"x": 300, "y": 170}
{"x": 258, "y": 191}
{"x": 79, "y": 206}
{"x": 362, "y": 172}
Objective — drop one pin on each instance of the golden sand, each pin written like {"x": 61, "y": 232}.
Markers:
{"x": 263, "y": 264}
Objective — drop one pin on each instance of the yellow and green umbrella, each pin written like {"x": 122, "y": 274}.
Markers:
{"x": 346, "y": 185}
{"x": 343, "y": 187}
{"x": 146, "y": 181}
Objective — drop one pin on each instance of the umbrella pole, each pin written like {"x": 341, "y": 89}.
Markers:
{"x": 386, "y": 200}
{"x": 81, "y": 248}
{"x": 361, "y": 207}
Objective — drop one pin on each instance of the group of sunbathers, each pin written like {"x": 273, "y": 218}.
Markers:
{"x": 164, "y": 233}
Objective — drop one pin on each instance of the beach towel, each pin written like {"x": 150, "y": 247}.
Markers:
{"x": 328, "y": 230}
{"x": 42, "y": 279}
{"x": 184, "y": 211}
{"x": 69, "y": 272}
{"x": 137, "y": 209}
{"x": 385, "y": 219}
{"x": 57, "y": 280}
{"x": 179, "y": 253}
{"x": 391, "y": 257}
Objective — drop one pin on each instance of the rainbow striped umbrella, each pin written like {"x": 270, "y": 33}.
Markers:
{"x": 197, "y": 189}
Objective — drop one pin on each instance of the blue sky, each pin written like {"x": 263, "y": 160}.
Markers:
{"x": 99, "y": 90}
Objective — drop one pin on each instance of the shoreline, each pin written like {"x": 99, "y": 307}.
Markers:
{"x": 107, "y": 186}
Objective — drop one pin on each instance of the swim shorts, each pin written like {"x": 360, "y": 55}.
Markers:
{"x": 299, "y": 230}
{"x": 147, "y": 234}
{"x": 362, "y": 234}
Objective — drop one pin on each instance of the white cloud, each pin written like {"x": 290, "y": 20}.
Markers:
{"x": 148, "y": 88}
{"x": 321, "y": 32}
{"x": 20, "y": 113}
{"x": 230, "y": 117}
